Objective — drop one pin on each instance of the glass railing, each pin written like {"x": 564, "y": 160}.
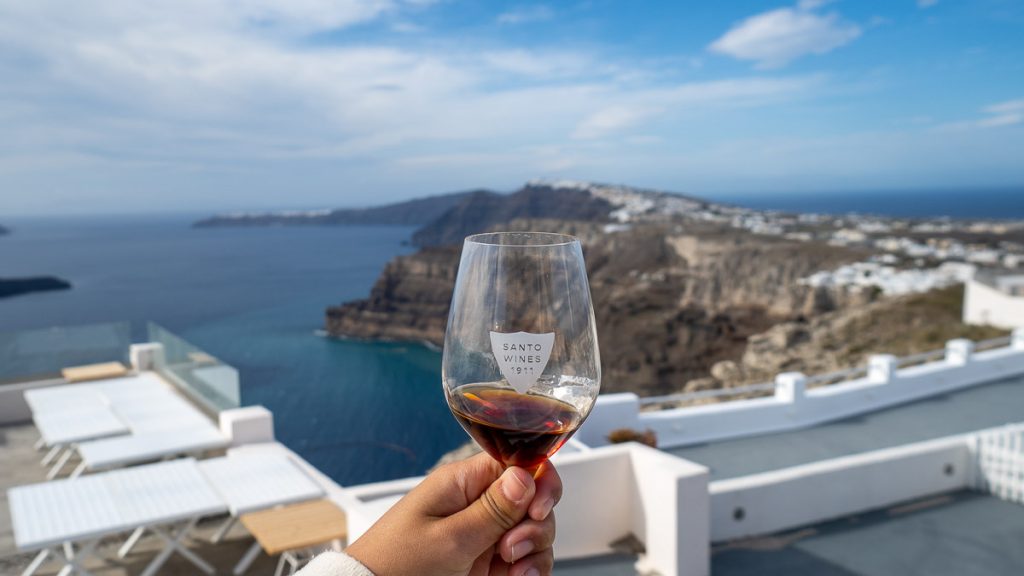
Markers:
{"x": 42, "y": 353}
{"x": 209, "y": 381}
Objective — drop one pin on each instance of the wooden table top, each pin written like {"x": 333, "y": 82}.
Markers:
{"x": 296, "y": 526}
{"x": 94, "y": 372}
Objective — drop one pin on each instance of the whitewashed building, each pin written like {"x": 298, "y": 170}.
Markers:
{"x": 995, "y": 301}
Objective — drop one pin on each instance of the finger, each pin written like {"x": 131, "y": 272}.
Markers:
{"x": 539, "y": 564}
{"x": 549, "y": 491}
{"x": 501, "y": 506}
{"x": 454, "y": 486}
{"x": 527, "y": 537}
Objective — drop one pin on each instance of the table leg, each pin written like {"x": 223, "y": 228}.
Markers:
{"x": 247, "y": 560}
{"x": 36, "y": 562}
{"x": 223, "y": 530}
{"x": 280, "y": 564}
{"x": 60, "y": 463}
{"x": 174, "y": 545}
{"x": 51, "y": 455}
{"x": 78, "y": 470}
{"x": 73, "y": 560}
{"x": 131, "y": 542}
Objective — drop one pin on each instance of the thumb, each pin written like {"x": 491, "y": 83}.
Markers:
{"x": 501, "y": 506}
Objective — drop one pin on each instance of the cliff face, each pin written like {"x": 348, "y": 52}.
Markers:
{"x": 408, "y": 302}
{"x": 846, "y": 338}
{"x": 670, "y": 300}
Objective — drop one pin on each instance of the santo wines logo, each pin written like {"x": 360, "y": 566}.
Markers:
{"x": 522, "y": 356}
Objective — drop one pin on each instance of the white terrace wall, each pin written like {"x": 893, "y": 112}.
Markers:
{"x": 803, "y": 495}
{"x": 793, "y": 406}
{"x": 609, "y": 494}
{"x": 14, "y": 409}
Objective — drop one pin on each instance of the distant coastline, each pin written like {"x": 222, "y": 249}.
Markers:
{"x": 18, "y": 286}
{"x": 414, "y": 212}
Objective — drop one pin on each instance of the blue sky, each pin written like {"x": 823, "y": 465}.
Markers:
{"x": 124, "y": 106}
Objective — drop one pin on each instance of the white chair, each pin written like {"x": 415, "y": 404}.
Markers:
{"x": 72, "y": 413}
{"x": 249, "y": 482}
{"x": 135, "y": 449}
{"x": 119, "y": 422}
{"x": 60, "y": 431}
{"x": 168, "y": 498}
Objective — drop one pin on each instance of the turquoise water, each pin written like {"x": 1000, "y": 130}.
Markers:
{"x": 255, "y": 298}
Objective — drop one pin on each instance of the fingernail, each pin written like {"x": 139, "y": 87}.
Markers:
{"x": 521, "y": 549}
{"x": 532, "y": 572}
{"x": 513, "y": 485}
{"x": 545, "y": 508}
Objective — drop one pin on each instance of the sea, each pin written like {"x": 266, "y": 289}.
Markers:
{"x": 984, "y": 203}
{"x": 255, "y": 298}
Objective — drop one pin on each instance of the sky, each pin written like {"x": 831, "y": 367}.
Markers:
{"x": 120, "y": 106}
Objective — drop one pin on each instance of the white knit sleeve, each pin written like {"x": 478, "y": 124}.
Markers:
{"x": 334, "y": 564}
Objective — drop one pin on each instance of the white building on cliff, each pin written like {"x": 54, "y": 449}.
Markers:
{"x": 995, "y": 300}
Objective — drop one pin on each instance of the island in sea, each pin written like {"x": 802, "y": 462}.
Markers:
{"x": 411, "y": 213}
{"x": 17, "y": 286}
{"x": 691, "y": 294}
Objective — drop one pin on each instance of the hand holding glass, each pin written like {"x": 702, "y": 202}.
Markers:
{"x": 521, "y": 368}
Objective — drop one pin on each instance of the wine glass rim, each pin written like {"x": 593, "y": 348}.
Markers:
{"x": 526, "y": 239}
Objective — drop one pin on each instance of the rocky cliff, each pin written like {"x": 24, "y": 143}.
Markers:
{"x": 671, "y": 297}
{"x": 846, "y": 338}
{"x": 409, "y": 301}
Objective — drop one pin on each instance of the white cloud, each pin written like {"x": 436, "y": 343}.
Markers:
{"x": 526, "y": 14}
{"x": 609, "y": 120}
{"x": 171, "y": 78}
{"x": 632, "y": 110}
{"x": 926, "y": 3}
{"x": 774, "y": 38}
{"x": 1008, "y": 107}
{"x": 1001, "y": 120}
{"x": 202, "y": 100}
{"x": 540, "y": 64}
{"x": 1000, "y": 114}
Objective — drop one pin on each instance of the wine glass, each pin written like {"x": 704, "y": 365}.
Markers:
{"x": 521, "y": 368}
